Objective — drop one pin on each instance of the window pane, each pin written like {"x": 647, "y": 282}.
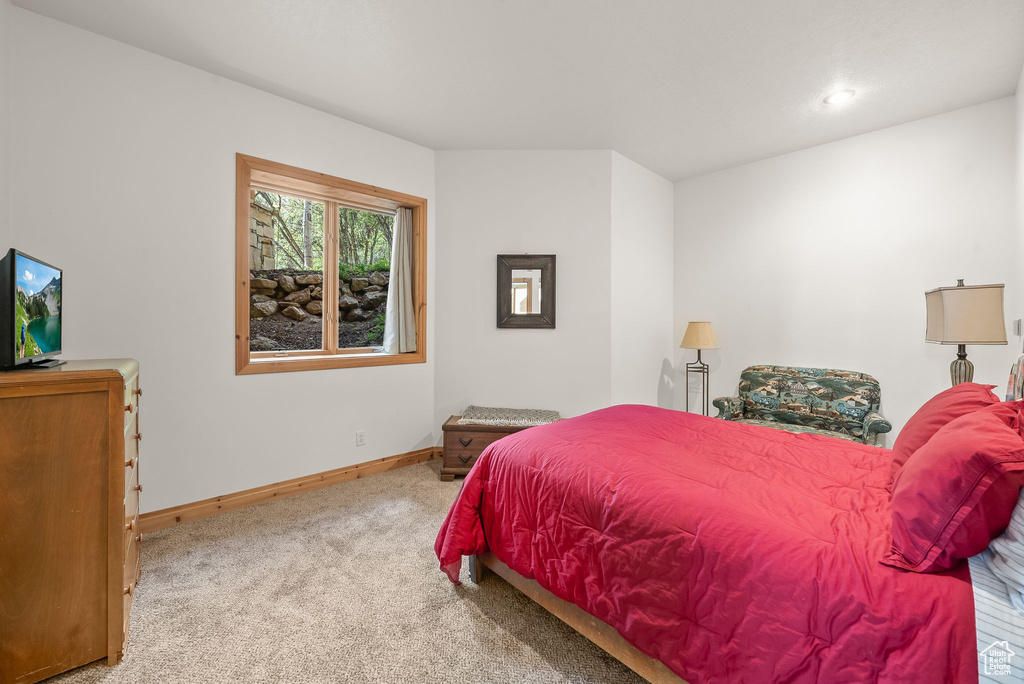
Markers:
{"x": 364, "y": 256}
{"x": 286, "y": 269}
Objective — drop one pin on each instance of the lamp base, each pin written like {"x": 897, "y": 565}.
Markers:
{"x": 961, "y": 370}
{"x": 699, "y": 369}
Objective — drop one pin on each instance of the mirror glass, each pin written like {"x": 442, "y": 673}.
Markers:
{"x": 525, "y": 291}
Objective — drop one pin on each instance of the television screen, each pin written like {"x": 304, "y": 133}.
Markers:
{"x": 37, "y": 308}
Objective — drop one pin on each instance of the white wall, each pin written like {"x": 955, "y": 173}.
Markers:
{"x": 609, "y": 222}
{"x": 641, "y": 285}
{"x": 1019, "y": 102}
{"x": 116, "y": 150}
{"x": 5, "y": 125}
{"x": 821, "y": 257}
{"x": 496, "y": 202}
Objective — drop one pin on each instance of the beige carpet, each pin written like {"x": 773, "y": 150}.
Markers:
{"x": 337, "y": 585}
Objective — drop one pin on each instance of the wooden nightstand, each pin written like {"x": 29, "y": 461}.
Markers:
{"x": 463, "y": 443}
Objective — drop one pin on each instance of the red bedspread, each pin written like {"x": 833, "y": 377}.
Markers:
{"x": 732, "y": 553}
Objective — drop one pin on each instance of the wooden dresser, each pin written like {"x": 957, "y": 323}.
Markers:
{"x": 463, "y": 443}
{"x": 69, "y": 506}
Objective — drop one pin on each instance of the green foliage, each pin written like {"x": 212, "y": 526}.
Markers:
{"x": 21, "y": 318}
{"x": 364, "y": 237}
{"x": 35, "y": 307}
{"x": 376, "y": 335}
{"x": 298, "y": 230}
{"x": 347, "y": 271}
{"x": 382, "y": 264}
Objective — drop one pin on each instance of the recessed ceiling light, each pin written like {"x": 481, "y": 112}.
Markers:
{"x": 839, "y": 97}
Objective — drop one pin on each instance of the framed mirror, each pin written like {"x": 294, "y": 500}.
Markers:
{"x": 526, "y": 290}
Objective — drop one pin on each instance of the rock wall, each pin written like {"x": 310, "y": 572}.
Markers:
{"x": 298, "y": 294}
{"x": 261, "y": 238}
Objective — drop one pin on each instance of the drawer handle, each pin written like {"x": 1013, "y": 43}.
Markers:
{"x": 465, "y": 442}
{"x": 138, "y": 392}
{"x": 138, "y": 488}
{"x": 138, "y": 539}
{"x": 130, "y": 463}
{"x": 129, "y": 408}
{"x": 129, "y": 590}
{"x": 465, "y": 459}
{"x": 138, "y": 436}
{"x": 130, "y": 527}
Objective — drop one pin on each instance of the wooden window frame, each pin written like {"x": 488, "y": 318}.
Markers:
{"x": 334, "y": 192}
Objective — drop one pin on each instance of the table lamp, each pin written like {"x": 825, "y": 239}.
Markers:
{"x": 962, "y": 315}
{"x": 699, "y": 335}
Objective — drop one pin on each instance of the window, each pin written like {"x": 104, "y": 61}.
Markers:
{"x": 330, "y": 273}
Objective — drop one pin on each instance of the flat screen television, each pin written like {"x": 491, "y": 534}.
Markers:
{"x": 30, "y": 311}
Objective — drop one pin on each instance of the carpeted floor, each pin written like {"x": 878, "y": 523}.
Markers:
{"x": 337, "y": 585}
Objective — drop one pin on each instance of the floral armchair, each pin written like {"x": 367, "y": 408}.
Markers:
{"x": 823, "y": 401}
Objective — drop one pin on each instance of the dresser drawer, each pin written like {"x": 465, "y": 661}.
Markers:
{"x": 132, "y": 567}
{"x": 132, "y": 392}
{"x": 131, "y": 509}
{"x": 131, "y": 562}
{"x": 131, "y": 453}
{"x": 131, "y": 529}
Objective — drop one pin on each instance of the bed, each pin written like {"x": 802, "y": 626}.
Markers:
{"x": 701, "y": 550}
{"x": 997, "y": 623}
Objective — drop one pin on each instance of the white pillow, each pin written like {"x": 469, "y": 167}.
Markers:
{"x": 1005, "y": 556}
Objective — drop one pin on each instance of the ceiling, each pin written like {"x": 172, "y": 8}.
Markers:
{"x": 683, "y": 87}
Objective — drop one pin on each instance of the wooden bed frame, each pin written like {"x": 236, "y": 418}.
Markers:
{"x": 598, "y": 631}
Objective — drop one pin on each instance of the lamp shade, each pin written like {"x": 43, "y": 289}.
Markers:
{"x": 699, "y": 335}
{"x": 968, "y": 314}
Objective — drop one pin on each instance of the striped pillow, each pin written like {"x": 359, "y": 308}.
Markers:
{"x": 1005, "y": 556}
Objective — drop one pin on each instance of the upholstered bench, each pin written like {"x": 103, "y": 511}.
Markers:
{"x": 824, "y": 401}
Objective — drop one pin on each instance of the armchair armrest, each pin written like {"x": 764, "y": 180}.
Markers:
{"x": 730, "y": 408}
{"x": 874, "y": 425}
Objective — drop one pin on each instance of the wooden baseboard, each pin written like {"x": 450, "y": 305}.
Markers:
{"x": 176, "y": 515}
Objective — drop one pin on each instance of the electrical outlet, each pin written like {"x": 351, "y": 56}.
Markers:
{"x": 360, "y": 437}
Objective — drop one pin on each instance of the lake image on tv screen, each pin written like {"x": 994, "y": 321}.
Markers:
{"x": 36, "y": 308}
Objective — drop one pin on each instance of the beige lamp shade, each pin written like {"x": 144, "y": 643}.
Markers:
{"x": 968, "y": 314}
{"x": 699, "y": 335}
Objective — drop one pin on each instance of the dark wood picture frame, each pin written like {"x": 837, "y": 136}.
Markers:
{"x": 546, "y": 264}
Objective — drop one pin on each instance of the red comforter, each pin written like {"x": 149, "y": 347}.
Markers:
{"x": 732, "y": 553}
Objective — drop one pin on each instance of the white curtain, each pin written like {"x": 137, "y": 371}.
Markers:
{"x": 400, "y": 320}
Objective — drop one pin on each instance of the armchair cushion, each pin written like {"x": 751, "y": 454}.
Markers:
{"x": 798, "y": 429}
{"x": 874, "y": 425}
{"x": 729, "y": 408}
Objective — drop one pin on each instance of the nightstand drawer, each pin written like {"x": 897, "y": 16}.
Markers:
{"x": 463, "y": 444}
{"x": 469, "y": 440}
{"x": 461, "y": 458}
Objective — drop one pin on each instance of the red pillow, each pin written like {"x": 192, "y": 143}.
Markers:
{"x": 958, "y": 492}
{"x": 937, "y": 411}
